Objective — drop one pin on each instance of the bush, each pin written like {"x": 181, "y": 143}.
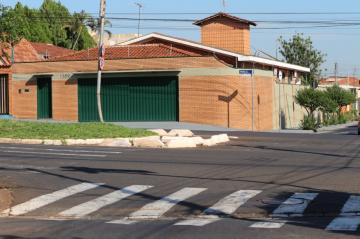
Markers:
{"x": 330, "y": 119}
{"x": 310, "y": 123}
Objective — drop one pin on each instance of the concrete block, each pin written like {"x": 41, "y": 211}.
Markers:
{"x": 221, "y": 138}
{"x": 30, "y": 141}
{"x": 93, "y": 141}
{"x": 52, "y": 142}
{"x": 198, "y": 140}
{"x": 160, "y": 132}
{"x": 9, "y": 141}
{"x": 148, "y": 142}
{"x": 166, "y": 139}
{"x": 75, "y": 142}
{"x": 209, "y": 142}
{"x": 181, "y": 133}
{"x": 119, "y": 142}
{"x": 181, "y": 143}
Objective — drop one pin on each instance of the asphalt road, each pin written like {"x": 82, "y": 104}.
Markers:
{"x": 302, "y": 186}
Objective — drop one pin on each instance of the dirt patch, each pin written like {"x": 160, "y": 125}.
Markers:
{"x": 5, "y": 199}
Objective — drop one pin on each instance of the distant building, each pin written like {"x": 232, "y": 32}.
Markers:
{"x": 346, "y": 82}
{"x": 114, "y": 39}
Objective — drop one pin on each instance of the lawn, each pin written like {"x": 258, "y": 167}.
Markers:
{"x": 38, "y": 130}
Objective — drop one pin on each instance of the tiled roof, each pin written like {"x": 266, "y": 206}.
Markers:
{"x": 223, "y": 15}
{"x": 25, "y": 51}
{"x": 350, "y": 81}
{"x": 4, "y": 60}
{"x": 50, "y": 51}
{"x": 123, "y": 52}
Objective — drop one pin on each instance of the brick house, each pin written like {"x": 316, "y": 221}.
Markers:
{"x": 159, "y": 78}
{"x": 346, "y": 82}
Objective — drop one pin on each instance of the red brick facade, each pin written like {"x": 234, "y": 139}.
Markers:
{"x": 227, "y": 101}
{"x": 224, "y": 100}
{"x": 226, "y": 34}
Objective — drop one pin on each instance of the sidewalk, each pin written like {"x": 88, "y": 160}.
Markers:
{"x": 326, "y": 129}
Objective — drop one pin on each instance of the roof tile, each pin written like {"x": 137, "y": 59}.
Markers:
{"x": 123, "y": 52}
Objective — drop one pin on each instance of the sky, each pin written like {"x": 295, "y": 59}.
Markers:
{"x": 340, "y": 44}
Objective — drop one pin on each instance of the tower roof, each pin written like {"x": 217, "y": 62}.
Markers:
{"x": 223, "y": 15}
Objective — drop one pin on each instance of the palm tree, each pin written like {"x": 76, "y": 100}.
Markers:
{"x": 94, "y": 25}
{"x": 83, "y": 20}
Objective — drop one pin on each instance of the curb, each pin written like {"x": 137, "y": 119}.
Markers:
{"x": 174, "y": 139}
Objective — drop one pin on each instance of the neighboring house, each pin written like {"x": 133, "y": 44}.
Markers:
{"x": 349, "y": 83}
{"x": 24, "y": 51}
{"x": 163, "y": 78}
{"x": 114, "y": 39}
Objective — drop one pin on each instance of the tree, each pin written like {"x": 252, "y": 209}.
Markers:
{"x": 94, "y": 26}
{"x": 77, "y": 31}
{"x": 300, "y": 51}
{"x": 310, "y": 99}
{"x": 341, "y": 97}
{"x": 327, "y": 105}
{"x": 49, "y": 24}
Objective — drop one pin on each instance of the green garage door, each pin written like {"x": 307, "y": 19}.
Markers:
{"x": 130, "y": 99}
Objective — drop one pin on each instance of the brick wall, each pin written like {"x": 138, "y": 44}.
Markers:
{"x": 226, "y": 34}
{"x": 65, "y": 100}
{"x": 24, "y": 104}
{"x": 204, "y": 99}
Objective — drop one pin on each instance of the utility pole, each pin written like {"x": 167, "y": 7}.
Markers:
{"x": 336, "y": 72}
{"x": 101, "y": 57}
{"x": 139, "y": 6}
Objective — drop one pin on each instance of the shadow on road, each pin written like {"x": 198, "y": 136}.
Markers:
{"x": 104, "y": 170}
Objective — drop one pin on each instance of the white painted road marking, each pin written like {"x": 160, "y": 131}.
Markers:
{"x": 349, "y": 220}
{"x": 225, "y": 206}
{"x": 292, "y": 207}
{"x": 268, "y": 225}
{"x": 46, "y": 199}
{"x": 295, "y": 205}
{"x": 87, "y": 208}
{"x": 158, "y": 208}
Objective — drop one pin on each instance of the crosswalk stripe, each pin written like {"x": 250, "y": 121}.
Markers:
{"x": 158, "y": 208}
{"x": 46, "y": 199}
{"x": 268, "y": 225}
{"x": 225, "y": 206}
{"x": 89, "y": 207}
{"x": 344, "y": 223}
{"x": 292, "y": 207}
{"x": 295, "y": 205}
{"x": 348, "y": 219}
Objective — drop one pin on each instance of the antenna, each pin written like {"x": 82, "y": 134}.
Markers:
{"x": 139, "y": 6}
{"x": 224, "y": 4}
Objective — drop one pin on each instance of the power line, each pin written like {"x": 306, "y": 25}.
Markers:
{"x": 236, "y": 13}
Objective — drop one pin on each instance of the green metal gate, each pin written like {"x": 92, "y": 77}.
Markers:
{"x": 44, "y": 102}
{"x": 4, "y": 94}
{"x": 130, "y": 99}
